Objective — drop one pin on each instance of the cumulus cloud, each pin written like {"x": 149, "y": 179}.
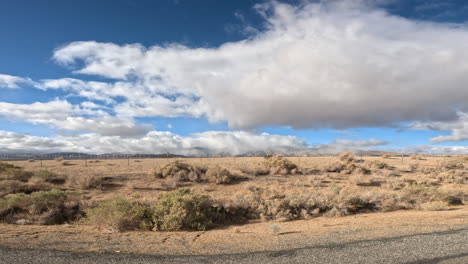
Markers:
{"x": 10, "y": 81}
{"x": 10, "y": 141}
{"x": 434, "y": 150}
{"x": 333, "y": 64}
{"x": 63, "y": 115}
{"x": 458, "y": 128}
{"x": 206, "y": 143}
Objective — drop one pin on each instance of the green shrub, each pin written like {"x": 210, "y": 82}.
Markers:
{"x": 184, "y": 210}
{"x": 119, "y": 214}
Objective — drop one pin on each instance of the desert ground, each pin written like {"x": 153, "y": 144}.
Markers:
{"x": 227, "y": 205}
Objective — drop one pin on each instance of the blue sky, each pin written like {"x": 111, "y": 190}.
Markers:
{"x": 56, "y": 40}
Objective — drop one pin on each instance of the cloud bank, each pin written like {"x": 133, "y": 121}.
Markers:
{"x": 334, "y": 64}
{"x": 158, "y": 142}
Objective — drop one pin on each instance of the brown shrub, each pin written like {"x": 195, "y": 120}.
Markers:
{"x": 44, "y": 208}
{"x": 11, "y": 172}
{"x": 49, "y": 177}
{"x": 453, "y": 176}
{"x": 180, "y": 171}
{"x": 219, "y": 175}
{"x": 253, "y": 170}
{"x": 86, "y": 182}
{"x": 377, "y": 164}
{"x": 66, "y": 163}
{"x": 346, "y": 157}
{"x": 335, "y": 167}
{"x": 278, "y": 165}
{"x": 345, "y": 168}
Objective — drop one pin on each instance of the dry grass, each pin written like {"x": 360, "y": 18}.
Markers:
{"x": 292, "y": 188}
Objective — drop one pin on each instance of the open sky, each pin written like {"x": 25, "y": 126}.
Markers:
{"x": 209, "y": 76}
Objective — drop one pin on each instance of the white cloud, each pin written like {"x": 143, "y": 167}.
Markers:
{"x": 10, "y": 141}
{"x": 63, "y": 115}
{"x": 10, "y": 81}
{"x": 355, "y": 144}
{"x": 434, "y": 150}
{"x": 206, "y": 143}
{"x": 458, "y": 128}
{"x": 334, "y": 64}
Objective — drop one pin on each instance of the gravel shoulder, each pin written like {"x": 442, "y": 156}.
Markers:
{"x": 436, "y": 247}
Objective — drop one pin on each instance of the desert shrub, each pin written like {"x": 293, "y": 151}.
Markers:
{"x": 435, "y": 206}
{"x": 180, "y": 171}
{"x": 66, "y": 163}
{"x": 12, "y": 187}
{"x": 50, "y": 177}
{"x": 454, "y": 163}
{"x": 453, "y": 176}
{"x": 364, "y": 180}
{"x": 118, "y": 214}
{"x": 335, "y": 167}
{"x": 278, "y": 165}
{"x": 43, "y": 207}
{"x": 86, "y": 182}
{"x": 415, "y": 194}
{"x": 377, "y": 164}
{"x": 267, "y": 204}
{"x": 219, "y": 175}
{"x": 346, "y": 157}
{"x": 253, "y": 170}
{"x": 413, "y": 167}
{"x": 185, "y": 210}
{"x": 11, "y": 172}
{"x": 6, "y": 166}
{"x": 345, "y": 168}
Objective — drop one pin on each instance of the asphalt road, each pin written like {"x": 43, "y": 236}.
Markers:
{"x": 439, "y": 247}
